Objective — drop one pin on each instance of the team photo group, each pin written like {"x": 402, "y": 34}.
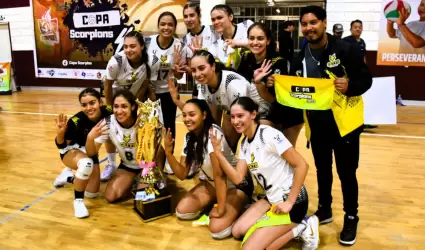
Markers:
{"x": 242, "y": 126}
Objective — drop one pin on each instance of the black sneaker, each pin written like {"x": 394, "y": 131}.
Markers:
{"x": 324, "y": 215}
{"x": 348, "y": 234}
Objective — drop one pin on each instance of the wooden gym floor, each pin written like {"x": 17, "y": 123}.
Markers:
{"x": 35, "y": 215}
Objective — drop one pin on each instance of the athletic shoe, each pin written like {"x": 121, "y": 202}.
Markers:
{"x": 310, "y": 235}
{"x": 324, "y": 215}
{"x": 80, "y": 210}
{"x": 62, "y": 179}
{"x": 107, "y": 173}
{"x": 349, "y": 231}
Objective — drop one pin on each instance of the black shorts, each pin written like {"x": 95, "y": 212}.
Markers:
{"x": 247, "y": 185}
{"x": 285, "y": 116}
{"x": 94, "y": 158}
{"x": 128, "y": 169}
{"x": 299, "y": 210}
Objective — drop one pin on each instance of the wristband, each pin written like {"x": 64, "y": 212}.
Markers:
{"x": 62, "y": 145}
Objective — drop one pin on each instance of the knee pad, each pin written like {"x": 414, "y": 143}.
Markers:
{"x": 223, "y": 234}
{"x": 91, "y": 195}
{"x": 85, "y": 168}
{"x": 188, "y": 216}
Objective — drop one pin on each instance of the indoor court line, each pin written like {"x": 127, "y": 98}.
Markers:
{"x": 178, "y": 122}
{"x": 26, "y": 207}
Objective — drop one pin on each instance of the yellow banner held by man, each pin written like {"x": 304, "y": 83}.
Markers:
{"x": 304, "y": 93}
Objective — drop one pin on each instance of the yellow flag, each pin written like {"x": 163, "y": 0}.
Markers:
{"x": 304, "y": 93}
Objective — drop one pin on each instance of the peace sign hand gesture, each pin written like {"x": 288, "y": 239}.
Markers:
{"x": 263, "y": 71}
{"x": 61, "y": 124}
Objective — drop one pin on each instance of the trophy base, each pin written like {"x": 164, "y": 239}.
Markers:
{"x": 155, "y": 209}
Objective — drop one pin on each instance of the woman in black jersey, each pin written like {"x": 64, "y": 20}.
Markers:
{"x": 71, "y": 139}
{"x": 257, "y": 66}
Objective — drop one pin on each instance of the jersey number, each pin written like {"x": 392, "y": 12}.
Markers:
{"x": 129, "y": 156}
{"x": 162, "y": 74}
{"x": 264, "y": 182}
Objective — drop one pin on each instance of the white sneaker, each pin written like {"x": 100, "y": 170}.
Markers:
{"x": 168, "y": 169}
{"x": 80, "y": 210}
{"x": 61, "y": 180}
{"x": 107, "y": 173}
{"x": 310, "y": 235}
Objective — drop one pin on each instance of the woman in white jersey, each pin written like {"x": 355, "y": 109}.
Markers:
{"x": 166, "y": 59}
{"x": 233, "y": 38}
{"x": 199, "y": 36}
{"x": 120, "y": 129}
{"x": 197, "y": 154}
{"x": 280, "y": 171}
{"x": 129, "y": 69}
{"x": 222, "y": 88}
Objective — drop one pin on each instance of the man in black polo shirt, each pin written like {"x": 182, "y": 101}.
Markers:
{"x": 333, "y": 131}
{"x": 356, "y": 29}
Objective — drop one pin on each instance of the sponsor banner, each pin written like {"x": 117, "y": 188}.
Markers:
{"x": 402, "y": 33}
{"x": 73, "y": 37}
{"x": 84, "y": 74}
{"x": 5, "y": 76}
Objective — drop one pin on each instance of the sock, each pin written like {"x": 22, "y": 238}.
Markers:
{"x": 79, "y": 194}
{"x": 70, "y": 179}
{"x": 298, "y": 230}
{"x": 111, "y": 159}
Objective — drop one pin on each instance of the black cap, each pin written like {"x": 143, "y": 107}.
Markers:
{"x": 338, "y": 28}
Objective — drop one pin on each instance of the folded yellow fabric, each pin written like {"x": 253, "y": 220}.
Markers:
{"x": 304, "y": 93}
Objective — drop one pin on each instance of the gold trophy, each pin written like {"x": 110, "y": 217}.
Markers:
{"x": 154, "y": 201}
{"x": 149, "y": 140}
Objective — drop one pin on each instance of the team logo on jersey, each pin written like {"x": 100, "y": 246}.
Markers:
{"x": 278, "y": 139}
{"x": 218, "y": 99}
{"x": 75, "y": 120}
{"x": 164, "y": 63}
{"x": 126, "y": 142}
{"x": 333, "y": 61}
{"x": 253, "y": 164}
{"x": 133, "y": 78}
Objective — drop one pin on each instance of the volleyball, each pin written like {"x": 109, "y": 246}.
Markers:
{"x": 393, "y": 8}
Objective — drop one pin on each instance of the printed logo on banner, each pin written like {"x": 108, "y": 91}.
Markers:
{"x": 83, "y": 34}
{"x": 51, "y": 72}
{"x": 96, "y": 25}
{"x": 39, "y": 72}
{"x": 83, "y": 74}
